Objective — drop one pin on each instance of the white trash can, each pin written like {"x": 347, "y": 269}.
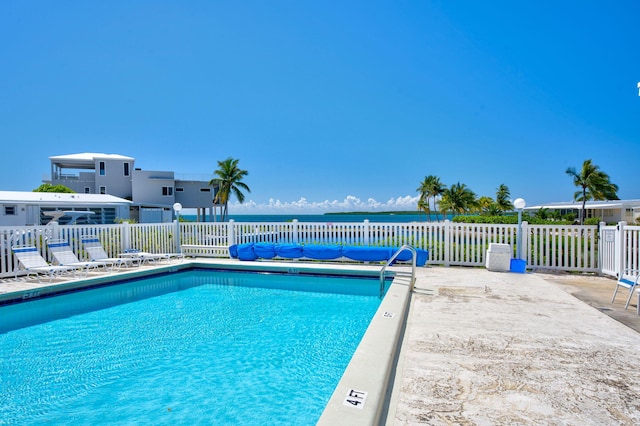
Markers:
{"x": 498, "y": 257}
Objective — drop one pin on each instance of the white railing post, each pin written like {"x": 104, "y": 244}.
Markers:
{"x": 231, "y": 234}
{"x": 294, "y": 230}
{"x": 176, "y": 224}
{"x": 365, "y": 232}
{"x": 126, "y": 236}
{"x": 57, "y": 231}
{"x": 447, "y": 242}
{"x": 601, "y": 246}
{"x": 621, "y": 252}
{"x": 524, "y": 234}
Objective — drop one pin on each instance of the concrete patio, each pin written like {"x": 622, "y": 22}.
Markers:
{"x": 491, "y": 348}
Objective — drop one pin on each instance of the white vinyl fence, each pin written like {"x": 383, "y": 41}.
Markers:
{"x": 156, "y": 238}
{"x": 619, "y": 248}
{"x": 569, "y": 248}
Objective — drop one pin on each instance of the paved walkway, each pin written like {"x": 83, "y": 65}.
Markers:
{"x": 489, "y": 348}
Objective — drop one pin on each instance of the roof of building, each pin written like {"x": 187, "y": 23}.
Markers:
{"x": 87, "y": 157}
{"x": 606, "y": 204}
{"x": 58, "y": 198}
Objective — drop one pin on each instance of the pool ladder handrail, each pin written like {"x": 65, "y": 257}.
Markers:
{"x": 414, "y": 255}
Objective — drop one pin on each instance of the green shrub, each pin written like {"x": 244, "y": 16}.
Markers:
{"x": 511, "y": 219}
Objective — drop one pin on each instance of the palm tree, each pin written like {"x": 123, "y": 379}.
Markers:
{"x": 228, "y": 181}
{"x": 458, "y": 199}
{"x": 431, "y": 187}
{"x": 594, "y": 184}
{"x": 503, "y": 203}
{"x": 423, "y": 201}
{"x": 423, "y": 205}
{"x": 485, "y": 205}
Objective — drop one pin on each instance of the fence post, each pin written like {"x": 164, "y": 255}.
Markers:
{"x": 447, "y": 241}
{"x": 365, "y": 231}
{"x": 620, "y": 252}
{"x": 525, "y": 241}
{"x": 56, "y": 233}
{"x": 176, "y": 224}
{"x": 126, "y": 236}
{"x": 600, "y": 243}
{"x": 294, "y": 230}
{"x": 231, "y": 235}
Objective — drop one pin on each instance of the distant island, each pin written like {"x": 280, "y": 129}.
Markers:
{"x": 372, "y": 213}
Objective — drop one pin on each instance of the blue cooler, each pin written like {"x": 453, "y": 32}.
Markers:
{"x": 518, "y": 265}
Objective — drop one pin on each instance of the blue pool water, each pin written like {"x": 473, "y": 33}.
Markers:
{"x": 195, "y": 347}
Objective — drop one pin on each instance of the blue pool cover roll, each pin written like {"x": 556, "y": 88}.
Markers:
{"x": 245, "y": 252}
{"x": 264, "y": 250}
{"x": 403, "y": 256}
{"x": 322, "y": 252}
{"x": 251, "y": 251}
{"x": 289, "y": 251}
{"x": 422, "y": 257}
{"x": 367, "y": 254}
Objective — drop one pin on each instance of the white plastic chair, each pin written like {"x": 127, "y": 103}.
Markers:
{"x": 93, "y": 247}
{"x": 64, "y": 255}
{"x": 32, "y": 261}
{"x": 144, "y": 256}
{"x": 629, "y": 280}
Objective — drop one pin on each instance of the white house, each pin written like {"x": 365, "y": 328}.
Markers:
{"x": 153, "y": 193}
{"x": 609, "y": 211}
{"x": 19, "y": 208}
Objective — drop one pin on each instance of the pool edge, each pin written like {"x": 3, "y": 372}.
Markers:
{"x": 361, "y": 394}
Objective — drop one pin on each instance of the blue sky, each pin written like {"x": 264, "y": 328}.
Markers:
{"x": 330, "y": 105}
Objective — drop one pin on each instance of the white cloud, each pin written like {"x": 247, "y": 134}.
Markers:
{"x": 304, "y": 206}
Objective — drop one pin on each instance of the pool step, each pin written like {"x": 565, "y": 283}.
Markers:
{"x": 404, "y": 277}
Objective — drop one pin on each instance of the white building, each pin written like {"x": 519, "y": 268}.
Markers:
{"x": 609, "y": 211}
{"x": 19, "y": 208}
{"x": 153, "y": 193}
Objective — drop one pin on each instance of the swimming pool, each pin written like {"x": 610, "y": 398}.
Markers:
{"x": 228, "y": 347}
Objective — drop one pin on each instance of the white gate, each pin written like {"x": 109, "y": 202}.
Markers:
{"x": 619, "y": 248}
{"x": 608, "y": 250}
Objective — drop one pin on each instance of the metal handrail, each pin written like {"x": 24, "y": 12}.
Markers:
{"x": 414, "y": 255}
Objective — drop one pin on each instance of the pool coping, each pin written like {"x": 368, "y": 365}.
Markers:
{"x": 361, "y": 394}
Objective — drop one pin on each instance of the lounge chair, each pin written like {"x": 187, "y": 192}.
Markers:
{"x": 32, "y": 261}
{"x": 629, "y": 280}
{"x": 143, "y": 256}
{"x": 64, "y": 255}
{"x": 96, "y": 252}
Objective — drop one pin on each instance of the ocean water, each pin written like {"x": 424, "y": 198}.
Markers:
{"x": 386, "y": 218}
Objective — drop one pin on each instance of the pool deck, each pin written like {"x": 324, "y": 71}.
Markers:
{"x": 489, "y": 348}
{"x": 492, "y": 348}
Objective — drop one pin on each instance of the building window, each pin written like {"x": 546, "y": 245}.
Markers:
{"x": 102, "y": 169}
{"x": 87, "y": 190}
{"x": 167, "y": 191}
{"x": 126, "y": 169}
{"x": 103, "y": 189}
{"x": 178, "y": 189}
{"x": 10, "y": 210}
{"x": 205, "y": 189}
